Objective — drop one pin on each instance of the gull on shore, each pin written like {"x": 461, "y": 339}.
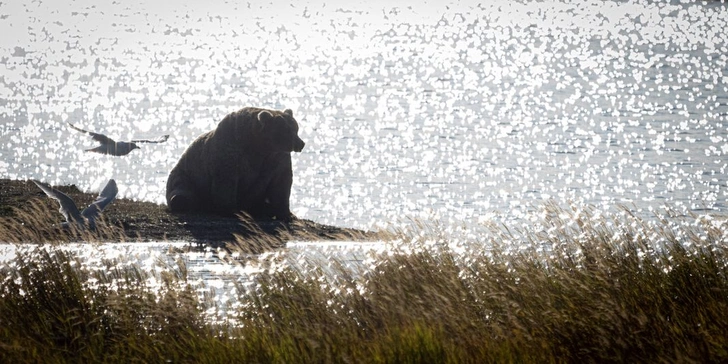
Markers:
{"x": 112, "y": 147}
{"x": 87, "y": 217}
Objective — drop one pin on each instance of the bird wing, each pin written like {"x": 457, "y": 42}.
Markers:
{"x": 101, "y": 138}
{"x": 68, "y": 207}
{"x": 102, "y": 149}
{"x": 161, "y": 139}
{"x": 105, "y": 197}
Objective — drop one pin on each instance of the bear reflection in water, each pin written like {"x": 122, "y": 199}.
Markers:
{"x": 242, "y": 165}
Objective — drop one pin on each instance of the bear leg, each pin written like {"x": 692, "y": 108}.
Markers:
{"x": 181, "y": 196}
{"x": 276, "y": 202}
{"x": 182, "y": 202}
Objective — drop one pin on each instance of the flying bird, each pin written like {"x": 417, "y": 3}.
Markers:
{"x": 87, "y": 217}
{"x": 112, "y": 147}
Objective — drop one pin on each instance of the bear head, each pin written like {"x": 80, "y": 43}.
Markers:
{"x": 278, "y": 131}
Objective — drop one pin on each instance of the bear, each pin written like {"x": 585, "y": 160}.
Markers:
{"x": 243, "y": 165}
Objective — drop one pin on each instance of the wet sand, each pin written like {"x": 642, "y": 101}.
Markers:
{"x": 146, "y": 221}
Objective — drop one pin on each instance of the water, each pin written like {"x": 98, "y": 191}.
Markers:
{"x": 452, "y": 112}
{"x": 455, "y": 114}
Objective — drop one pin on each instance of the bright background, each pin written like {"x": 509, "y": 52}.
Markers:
{"x": 458, "y": 113}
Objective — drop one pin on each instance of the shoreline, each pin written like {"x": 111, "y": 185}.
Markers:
{"x": 146, "y": 221}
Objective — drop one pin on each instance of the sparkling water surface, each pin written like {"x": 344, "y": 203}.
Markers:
{"x": 451, "y": 112}
{"x": 456, "y": 113}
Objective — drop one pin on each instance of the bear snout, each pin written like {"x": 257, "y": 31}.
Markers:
{"x": 298, "y": 145}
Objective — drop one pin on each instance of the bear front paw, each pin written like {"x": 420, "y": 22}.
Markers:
{"x": 181, "y": 203}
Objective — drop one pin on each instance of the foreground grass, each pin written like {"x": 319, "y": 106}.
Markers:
{"x": 574, "y": 287}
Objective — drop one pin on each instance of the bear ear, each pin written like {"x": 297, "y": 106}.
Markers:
{"x": 288, "y": 112}
{"x": 264, "y": 115}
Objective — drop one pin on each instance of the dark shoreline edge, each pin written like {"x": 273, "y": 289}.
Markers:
{"x": 147, "y": 221}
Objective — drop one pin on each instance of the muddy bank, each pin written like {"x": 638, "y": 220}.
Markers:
{"x": 146, "y": 221}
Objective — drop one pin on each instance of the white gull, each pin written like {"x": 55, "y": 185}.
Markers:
{"x": 87, "y": 217}
{"x": 112, "y": 147}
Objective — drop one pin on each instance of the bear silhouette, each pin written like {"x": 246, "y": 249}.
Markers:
{"x": 244, "y": 165}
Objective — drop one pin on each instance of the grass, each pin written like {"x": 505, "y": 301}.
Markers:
{"x": 35, "y": 223}
{"x": 575, "y": 286}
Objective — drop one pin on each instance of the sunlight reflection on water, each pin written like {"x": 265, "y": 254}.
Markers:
{"x": 449, "y": 112}
{"x": 460, "y": 114}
